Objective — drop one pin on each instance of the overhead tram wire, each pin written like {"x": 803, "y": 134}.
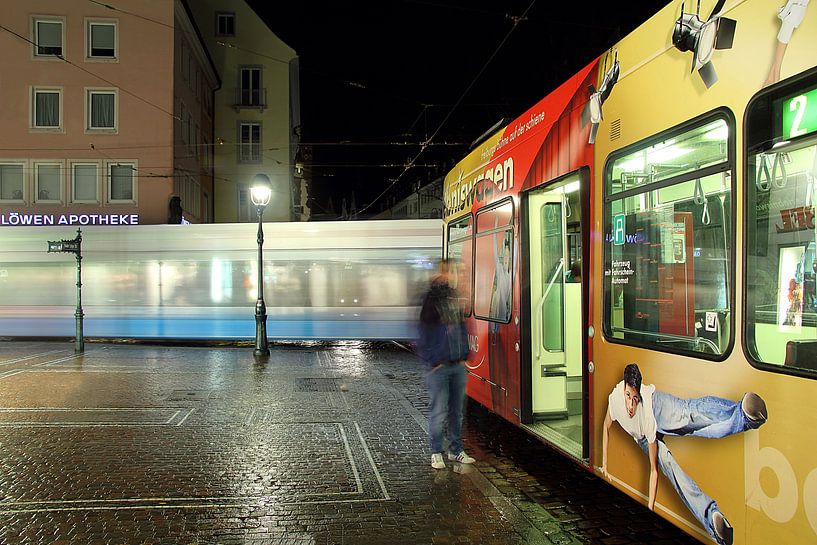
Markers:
{"x": 355, "y": 84}
{"x": 222, "y": 43}
{"x": 134, "y": 169}
{"x": 516, "y": 21}
{"x": 120, "y": 10}
{"x": 78, "y": 67}
{"x": 217, "y": 144}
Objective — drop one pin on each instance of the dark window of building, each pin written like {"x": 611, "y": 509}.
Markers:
{"x": 225, "y": 24}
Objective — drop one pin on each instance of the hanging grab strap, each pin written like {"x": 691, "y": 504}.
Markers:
{"x": 551, "y": 214}
{"x": 778, "y": 162}
{"x": 700, "y": 199}
{"x": 763, "y": 179}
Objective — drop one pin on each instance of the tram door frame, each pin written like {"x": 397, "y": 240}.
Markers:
{"x": 527, "y": 416}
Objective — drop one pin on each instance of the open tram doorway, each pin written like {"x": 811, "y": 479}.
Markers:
{"x": 553, "y": 362}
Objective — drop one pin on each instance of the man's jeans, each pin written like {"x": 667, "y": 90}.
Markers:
{"x": 710, "y": 417}
{"x": 446, "y": 387}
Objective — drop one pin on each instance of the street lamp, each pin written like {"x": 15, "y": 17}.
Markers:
{"x": 260, "y": 194}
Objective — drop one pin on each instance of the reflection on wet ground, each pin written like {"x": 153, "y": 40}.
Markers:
{"x": 322, "y": 443}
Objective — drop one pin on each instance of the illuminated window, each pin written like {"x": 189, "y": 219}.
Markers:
{"x": 493, "y": 283}
{"x": 781, "y": 259}
{"x": 668, "y": 233}
{"x": 460, "y": 252}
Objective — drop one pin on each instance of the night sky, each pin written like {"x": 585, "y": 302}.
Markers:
{"x": 377, "y": 75}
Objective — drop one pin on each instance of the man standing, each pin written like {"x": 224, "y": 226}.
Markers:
{"x": 443, "y": 346}
{"x": 648, "y": 415}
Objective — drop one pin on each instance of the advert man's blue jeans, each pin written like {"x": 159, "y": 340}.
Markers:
{"x": 446, "y": 387}
{"x": 710, "y": 417}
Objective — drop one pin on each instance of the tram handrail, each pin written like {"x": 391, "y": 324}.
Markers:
{"x": 542, "y": 302}
{"x": 669, "y": 336}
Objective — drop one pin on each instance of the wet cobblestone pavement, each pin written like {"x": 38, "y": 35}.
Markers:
{"x": 323, "y": 444}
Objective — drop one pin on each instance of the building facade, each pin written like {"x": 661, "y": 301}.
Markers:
{"x": 90, "y": 117}
{"x": 424, "y": 202}
{"x": 195, "y": 84}
{"x": 256, "y": 117}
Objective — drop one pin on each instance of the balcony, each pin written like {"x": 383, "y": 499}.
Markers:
{"x": 255, "y": 99}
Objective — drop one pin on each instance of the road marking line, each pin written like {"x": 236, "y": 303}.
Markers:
{"x": 176, "y": 411}
{"x": 185, "y": 417}
{"x": 371, "y": 461}
{"x": 60, "y": 360}
{"x": 351, "y": 458}
{"x": 11, "y": 373}
{"x": 24, "y": 358}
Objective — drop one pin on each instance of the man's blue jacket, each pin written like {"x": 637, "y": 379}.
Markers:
{"x": 442, "y": 336}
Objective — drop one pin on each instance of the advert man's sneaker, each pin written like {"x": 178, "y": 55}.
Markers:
{"x": 754, "y": 408}
{"x": 437, "y": 461}
{"x": 462, "y": 458}
{"x": 723, "y": 530}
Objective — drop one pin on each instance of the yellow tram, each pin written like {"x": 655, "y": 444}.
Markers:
{"x": 657, "y": 209}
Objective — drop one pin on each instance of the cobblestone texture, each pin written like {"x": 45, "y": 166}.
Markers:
{"x": 323, "y": 444}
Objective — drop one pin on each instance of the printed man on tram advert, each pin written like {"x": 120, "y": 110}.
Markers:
{"x": 648, "y": 415}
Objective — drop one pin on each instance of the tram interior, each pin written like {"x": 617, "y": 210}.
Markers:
{"x": 554, "y": 261}
{"x": 782, "y": 309}
{"x": 667, "y": 279}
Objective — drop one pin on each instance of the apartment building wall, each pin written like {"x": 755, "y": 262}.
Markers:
{"x": 252, "y": 109}
{"x": 91, "y": 137}
{"x": 195, "y": 81}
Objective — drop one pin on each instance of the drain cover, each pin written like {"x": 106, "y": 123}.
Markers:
{"x": 316, "y": 385}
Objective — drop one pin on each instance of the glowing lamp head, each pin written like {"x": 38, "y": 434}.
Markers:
{"x": 595, "y": 108}
{"x": 261, "y": 190}
{"x": 706, "y": 41}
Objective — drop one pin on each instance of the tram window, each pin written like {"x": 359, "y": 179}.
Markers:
{"x": 460, "y": 251}
{"x": 667, "y": 259}
{"x": 494, "y": 259}
{"x": 672, "y": 157}
{"x": 781, "y": 263}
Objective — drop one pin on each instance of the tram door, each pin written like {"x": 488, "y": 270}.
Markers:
{"x": 555, "y": 313}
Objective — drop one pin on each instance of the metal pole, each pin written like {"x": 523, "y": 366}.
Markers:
{"x": 79, "y": 345}
{"x": 261, "y": 344}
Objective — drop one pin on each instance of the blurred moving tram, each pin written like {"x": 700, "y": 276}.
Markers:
{"x": 327, "y": 280}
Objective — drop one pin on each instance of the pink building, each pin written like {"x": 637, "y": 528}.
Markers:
{"x": 109, "y": 114}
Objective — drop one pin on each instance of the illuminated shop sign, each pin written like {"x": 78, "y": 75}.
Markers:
{"x": 15, "y": 219}
{"x": 800, "y": 114}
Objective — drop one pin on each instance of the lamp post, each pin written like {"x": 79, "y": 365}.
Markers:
{"x": 260, "y": 194}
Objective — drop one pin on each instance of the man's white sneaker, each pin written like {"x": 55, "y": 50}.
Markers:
{"x": 462, "y": 458}
{"x": 437, "y": 461}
